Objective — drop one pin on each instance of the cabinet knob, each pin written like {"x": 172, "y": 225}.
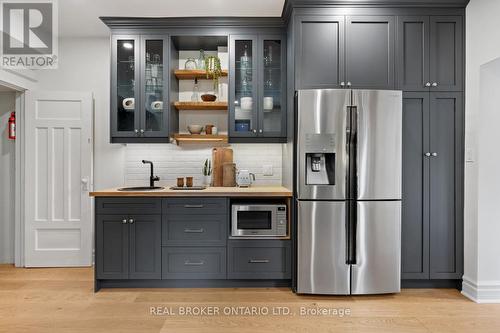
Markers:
{"x": 255, "y": 131}
{"x": 142, "y": 131}
{"x": 428, "y": 84}
{"x": 131, "y": 221}
{"x": 349, "y": 84}
{"x": 434, "y": 84}
{"x": 260, "y": 131}
{"x": 434, "y": 154}
{"x": 427, "y": 154}
{"x": 136, "y": 131}
{"x": 342, "y": 84}
{"x": 124, "y": 221}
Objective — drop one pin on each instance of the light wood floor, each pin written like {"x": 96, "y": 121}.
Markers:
{"x": 62, "y": 300}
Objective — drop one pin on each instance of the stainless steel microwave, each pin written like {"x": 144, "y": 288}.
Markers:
{"x": 256, "y": 221}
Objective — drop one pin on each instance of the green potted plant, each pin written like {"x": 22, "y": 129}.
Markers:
{"x": 207, "y": 172}
{"x": 213, "y": 69}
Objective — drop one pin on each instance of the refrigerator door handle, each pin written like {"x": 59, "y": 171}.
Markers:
{"x": 351, "y": 184}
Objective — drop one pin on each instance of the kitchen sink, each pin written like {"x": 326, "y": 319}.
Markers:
{"x": 141, "y": 188}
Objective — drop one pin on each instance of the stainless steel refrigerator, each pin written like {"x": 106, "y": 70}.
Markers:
{"x": 348, "y": 153}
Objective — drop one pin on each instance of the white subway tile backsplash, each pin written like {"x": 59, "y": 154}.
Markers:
{"x": 173, "y": 161}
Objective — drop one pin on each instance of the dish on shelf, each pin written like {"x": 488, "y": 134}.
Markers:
{"x": 195, "y": 129}
{"x": 208, "y": 98}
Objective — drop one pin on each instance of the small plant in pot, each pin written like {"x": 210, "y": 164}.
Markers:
{"x": 207, "y": 172}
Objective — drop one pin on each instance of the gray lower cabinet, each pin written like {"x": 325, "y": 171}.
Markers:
{"x": 128, "y": 246}
{"x": 430, "y": 53}
{"x": 370, "y": 47}
{"x": 194, "y": 230}
{"x": 259, "y": 259}
{"x": 194, "y": 263}
{"x": 432, "y": 218}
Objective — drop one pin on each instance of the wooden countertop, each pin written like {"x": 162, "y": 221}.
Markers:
{"x": 252, "y": 191}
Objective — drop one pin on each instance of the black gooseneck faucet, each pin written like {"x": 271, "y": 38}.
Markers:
{"x": 152, "y": 178}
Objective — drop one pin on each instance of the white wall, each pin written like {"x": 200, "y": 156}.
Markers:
{"x": 482, "y": 245}
{"x": 7, "y": 179}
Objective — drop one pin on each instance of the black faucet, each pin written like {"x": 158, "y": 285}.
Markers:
{"x": 152, "y": 178}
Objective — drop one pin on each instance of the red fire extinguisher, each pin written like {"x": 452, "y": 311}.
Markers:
{"x": 12, "y": 126}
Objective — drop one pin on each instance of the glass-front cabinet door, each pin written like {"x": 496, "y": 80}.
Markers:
{"x": 125, "y": 76}
{"x": 154, "y": 104}
{"x": 272, "y": 94}
{"x": 243, "y": 120}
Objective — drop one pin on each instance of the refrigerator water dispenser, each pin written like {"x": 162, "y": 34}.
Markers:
{"x": 320, "y": 168}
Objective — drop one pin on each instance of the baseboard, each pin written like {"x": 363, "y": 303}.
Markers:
{"x": 483, "y": 292}
{"x": 434, "y": 283}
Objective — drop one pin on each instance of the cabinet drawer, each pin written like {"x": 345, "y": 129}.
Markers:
{"x": 194, "y": 230}
{"x": 142, "y": 206}
{"x": 259, "y": 259}
{"x": 193, "y": 263}
{"x": 195, "y": 206}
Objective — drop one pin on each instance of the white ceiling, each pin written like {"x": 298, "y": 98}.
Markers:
{"x": 80, "y": 18}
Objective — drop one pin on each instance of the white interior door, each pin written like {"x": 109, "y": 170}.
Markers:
{"x": 58, "y": 171}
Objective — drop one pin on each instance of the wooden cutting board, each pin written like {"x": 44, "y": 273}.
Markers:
{"x": 219, "y": 157}
{"x": 229, "y": 175}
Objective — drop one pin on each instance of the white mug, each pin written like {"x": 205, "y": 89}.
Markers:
{"x": 246, "y": 103}
{"x": 128, "y": 103}
{"x": 157, "y": 105}
{"x": 268, "y": 103}
{"x": 214, "y": 130}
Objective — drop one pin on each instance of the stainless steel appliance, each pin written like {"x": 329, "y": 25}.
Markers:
{"x": 255, "y": 221}
{"x": 349, "y": 191}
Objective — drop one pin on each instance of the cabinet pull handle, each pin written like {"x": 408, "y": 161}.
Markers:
{"x": 194, "y": 231}
{"x": 193, "y": 206}
{"x": 196, "y": 263}
{"x": 258, "y": 261}
{"x": 131, "y": 221}
{"x": 124, "y": 221}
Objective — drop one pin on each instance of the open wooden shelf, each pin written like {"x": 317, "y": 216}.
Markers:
{"x": 200, "y": 105}
{"x": 191, "y": 74}
{"x": 199, "y": 138}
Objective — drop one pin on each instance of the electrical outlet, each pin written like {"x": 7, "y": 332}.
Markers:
{"x": 267, "y": 169}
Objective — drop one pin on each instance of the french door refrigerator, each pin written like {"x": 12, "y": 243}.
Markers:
{"x": 348, "y": 187}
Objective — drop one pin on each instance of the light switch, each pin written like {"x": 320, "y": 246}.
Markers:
{"x": 267, "y": 169}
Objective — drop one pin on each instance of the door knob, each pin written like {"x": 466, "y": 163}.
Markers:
{"x": 124, "y": 221}
{"x": 427, "y": 154}
{"x": 85, "y": 184}
{"x": 434, "y": 84}
{"x": 434, "y": 154}
{"x": 131, "y": 221}
{"x": 428, "y": 84}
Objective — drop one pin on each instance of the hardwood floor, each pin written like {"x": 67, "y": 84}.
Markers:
{"x": 62, "y": 300}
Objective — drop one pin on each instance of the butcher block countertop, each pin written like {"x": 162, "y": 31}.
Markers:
{"x": 252, "y": 191}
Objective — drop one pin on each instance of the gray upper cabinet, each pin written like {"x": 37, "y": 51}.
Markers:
{"x": 446, "y": 53}
{"x": 370, "y": 49}
{"x": 413, "y": 53}
{"x": 430, "y": 53}
{"x": 139, "y": 89}
{"x": 257, "y": 70}
{"x": 319, "y": 52}
{"x": 432, "y": 227}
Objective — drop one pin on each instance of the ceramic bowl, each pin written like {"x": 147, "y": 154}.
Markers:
{"x": 195, "y": 129}
{"x": 208, "y": 98}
